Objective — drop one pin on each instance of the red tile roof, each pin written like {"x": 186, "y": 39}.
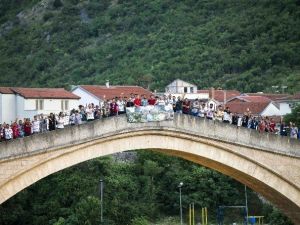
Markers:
{"x": 271, "y": 96}
{"x": 240, "y": 107}
{"x": 6, "y": 90}
{"x": 219, "y": 94}
{"x": 203, "y": 91}
{"x": 45, "y": 93}
{"x": 115, "y": 91}
{"x": 296, "y": 96}
{"x": 249, "y": 99}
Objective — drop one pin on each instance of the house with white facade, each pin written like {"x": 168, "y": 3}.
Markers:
{"x": 285, "y": 102}
{"x": 217, "y": 97}
{"x": 7, "y": 105}
{"x": 257, "y": 105}
{"x": 185, "y": 90}
{"x": 28, "y": 102}
{"x": 96, "y": 94}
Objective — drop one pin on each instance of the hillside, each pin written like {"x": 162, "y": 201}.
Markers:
{"x": 245, "y": 45}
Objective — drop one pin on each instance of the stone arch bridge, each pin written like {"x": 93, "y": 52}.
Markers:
{"x": 268, "y": 164}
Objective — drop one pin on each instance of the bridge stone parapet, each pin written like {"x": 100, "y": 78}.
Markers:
{"x": 214, "y": 130}
{"x": 267, "y": 163}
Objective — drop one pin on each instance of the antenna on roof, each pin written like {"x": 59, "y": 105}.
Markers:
{"x": 107, "y": 83}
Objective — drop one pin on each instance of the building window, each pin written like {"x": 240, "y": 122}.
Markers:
{"x": 185, "y": 89}
{"x": 64, "y": 105}
{"x": 191, "y": 89}
{"x": 39, "y": 104}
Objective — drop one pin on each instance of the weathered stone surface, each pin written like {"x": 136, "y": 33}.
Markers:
{"x": 266, "y": 163}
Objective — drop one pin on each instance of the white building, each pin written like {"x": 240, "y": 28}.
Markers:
{"x": 7, "y": 105}
{"x": 185, "y": 90}
{"x": 97, "y": 93}
{"x": 284, "y": 102}
{"x": 257, "y": 105}
{"x": 23, "y": 103}
{"x": 179, "y": 87}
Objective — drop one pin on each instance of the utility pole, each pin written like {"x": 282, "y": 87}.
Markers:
{"x": 101, "y": 199}
{"x": 246, "y": 204}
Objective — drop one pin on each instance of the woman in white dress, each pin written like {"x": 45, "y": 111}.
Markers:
{"x": 60, "y": 121}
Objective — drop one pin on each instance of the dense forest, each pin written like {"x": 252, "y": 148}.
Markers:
{"x": 245, "y": 45}
{"x": 138, "y": 190}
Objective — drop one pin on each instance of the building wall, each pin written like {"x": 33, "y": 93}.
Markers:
{"x": 284, "y": 108}
{"x": 55, "y": 106}
{"x": 29, "y": 104}
{"x": 85, "y": 97}
{"x": 178, "y": 86}
{"x": 26, "y": 108}
{"x": 271, "y": 110}
{"x": 190, "y": 96}
{"x": 8, "y": 108}
{"x": 74, "y": 103}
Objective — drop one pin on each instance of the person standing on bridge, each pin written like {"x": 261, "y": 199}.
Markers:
{"x": 89, "y": 113}
{"x": 293, "y": 130}
{"x": 144, "y": 100}
{"x": 219, "y": 115}
{"x": 60, "y": 121}
{"x": 227, "y": 115}
{"x": 186, "y": 105}
{"x": 114, "y": 108}
{"x": 152, "y": 100}
{"x": 178, "y": 105}
{"x": 21, "y": 128}
{"x": 52, "y": 122}
{"x": 27, "y": 127}
{"x": 137, "y": 101}
{"x": 195, "y": 107}
{"x": 77, "y": 118}
{"x": 121, "y": 104}
{"x": 210, "y": 112}
{"x": 15, "y": 130}
{"x": 35, "y": 125}
{"x": 8, "y": 132}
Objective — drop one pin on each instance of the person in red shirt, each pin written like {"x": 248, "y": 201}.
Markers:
{"x": 186, "y": 106}
{"x": 272, "y": 125}
{"x": 152, "y": 100}
{"x": 262, "y": 126}
{"x": 15, "y": 130}
{"x": 27, "y": 127}
{"x": 137, "y": 101}
{"x": 114, "y": 107}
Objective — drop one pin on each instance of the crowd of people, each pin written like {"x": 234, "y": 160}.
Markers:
{"x": 116, "y": 106}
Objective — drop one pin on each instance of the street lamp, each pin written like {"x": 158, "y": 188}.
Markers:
{"x": 246, "y": 204}
{"x": 180, "y": 203}
{"x": 101, "y": 182}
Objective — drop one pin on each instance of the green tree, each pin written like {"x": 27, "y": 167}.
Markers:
{"x": 293, "y": 117}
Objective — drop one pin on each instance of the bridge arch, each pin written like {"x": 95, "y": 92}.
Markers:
{"x": 272, "y": 172}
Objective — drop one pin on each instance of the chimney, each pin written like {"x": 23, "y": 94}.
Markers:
{"x": 107, "y": 83}
{"x": 212, "y": 93}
